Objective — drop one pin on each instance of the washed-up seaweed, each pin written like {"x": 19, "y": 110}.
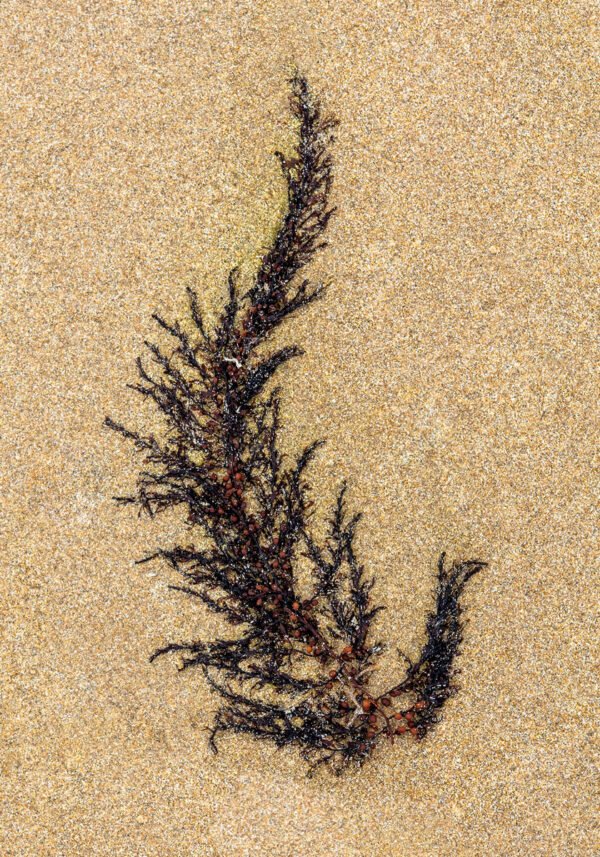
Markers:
{"x": 298, "y": 666}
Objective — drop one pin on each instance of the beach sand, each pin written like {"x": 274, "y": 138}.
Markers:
{"x": 450, "y": 367}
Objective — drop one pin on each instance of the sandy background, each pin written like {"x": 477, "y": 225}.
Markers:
{"x": 451, "y": 367}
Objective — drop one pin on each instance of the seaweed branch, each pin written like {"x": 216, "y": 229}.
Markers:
{"x": 298, "y": 669}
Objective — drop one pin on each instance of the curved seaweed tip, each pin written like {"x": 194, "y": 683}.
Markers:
{"x": 298, "y": 670}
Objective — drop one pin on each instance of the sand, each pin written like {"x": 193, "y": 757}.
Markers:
{"x": 452, "y": 367}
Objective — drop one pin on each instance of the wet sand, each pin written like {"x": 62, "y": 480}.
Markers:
{"x": 451, "y": 368}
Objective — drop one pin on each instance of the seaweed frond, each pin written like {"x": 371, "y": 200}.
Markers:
{"x": 298, "y": 668}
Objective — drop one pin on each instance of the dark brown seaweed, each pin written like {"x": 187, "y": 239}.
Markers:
{"x": 297, "y": 670}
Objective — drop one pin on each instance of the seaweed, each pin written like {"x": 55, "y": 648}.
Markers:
{"x": 298, "y": 668}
